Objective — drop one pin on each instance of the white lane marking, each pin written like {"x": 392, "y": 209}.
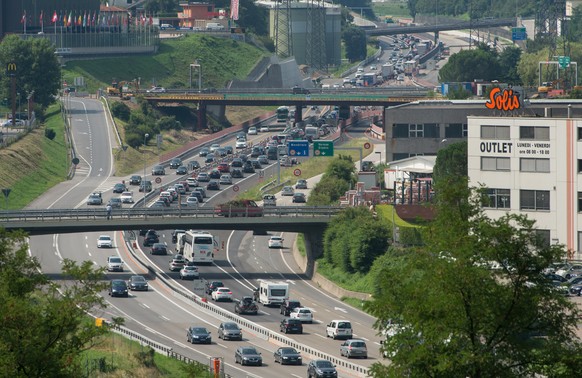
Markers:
{"x": 145, "y": 305}
{"x": 340, "y": 309}
{"x": 222, "y": 345}
{"x": 323, "y": 337}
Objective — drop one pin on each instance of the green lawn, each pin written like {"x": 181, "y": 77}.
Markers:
{"x": 393, "y": 8}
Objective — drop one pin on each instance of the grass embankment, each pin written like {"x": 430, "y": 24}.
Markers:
{"x": 393, "y": 8}
{"x": 34, "y": 164}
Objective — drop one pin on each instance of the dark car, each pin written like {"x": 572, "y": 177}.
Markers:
{"x": 213, "y": 185}
{"x": 257, "y": 151}
{"x": 119, "y": 188}
{"x": 575, "y": 289}
{"x": 200, "y": 190}
{"x": 213, "y": 285}
{"x": 175, "y": 163}
{"x": 151, "y": 238}
{"x": 135, "y": 180}
{"x": 175, "y": 235}
{"x": 95, "y": 199}
{"x": 299, "y": 198}
{"x": 301, "y": 184}
{"x": 223, "y": 168}
{"x": 229, "y": 331}
{"x": 138, "y": 283}
{"x": 256, "y": 164}
{"x": 248, "y": 355}
{"x": 229, "y": 150}
{"x": 198, "y": 335}
{"x": 118, "y": 288}
{"x": 237, "y": 173}
{"x": 159, "y": 249}
{"x": 246, "y": 305}
{"x": 182, "y": 170}
{"x": 145, "y": 185}
{"x": 321, "y": 368}
{"x": 288, "y": 306}
{"x": 204, "y": 151}
{"x": 288, "y": 356}
{"x": 215, "y": 174}
{"x": 263, "y": 159}
{"x": 236, "y": 163}
{"x": 248, "y": 168}
{"x": 209, "y": 159}
{"x": 291, "y": 326}
{"x": 299, "y": 90}
{"x": 194, "y": 165}
{"x": 196, "y": 194}
{"x": 158, "y": 170}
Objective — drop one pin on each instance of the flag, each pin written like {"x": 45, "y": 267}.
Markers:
{"x": 151, "y": 20}
{"x": 79, "y": 20}
{"x": 85, "y": 19}
{"x": 65, "y": 19}
{"x": 70, "y": 19}
{"x": 234, "y": 9}
{"x": 93, "y": 20}
{"x": 23, "y": 19}
{"x": 41, "y": 14}
{"x": 55, "y": 17}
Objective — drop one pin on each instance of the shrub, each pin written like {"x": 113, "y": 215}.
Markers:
{"x": 50, "y": 133}
{"x": 120, "y": 110}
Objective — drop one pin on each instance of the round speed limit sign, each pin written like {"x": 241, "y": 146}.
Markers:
{"x": 235, "y": 188}
{"x": 367, "y": 145}
{"x": 158, "y": 180}
{"x": 297, "y": 172}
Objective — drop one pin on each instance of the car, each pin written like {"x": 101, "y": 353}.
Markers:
{"x": 287, "y": 191}
{"x": 223, "y": 168}
{"x": 175, "y": 234}
{"x": 225, "y": 180}
{"x": 339, "y": 329}
{"x": 198, "y": 335}
{"x": 150, "y": 238}
{"x": 241, "y": 135}
{"x": 222, "y": 294}
{"x": 236, "y": 173}
{"x": 175, "y": 163}
{"x": 156, "y": 89}
{"x": 248, "y": 168}
{"x": 269, "y": 200}
{"x": 320, "y": 369}
{"x": 182, "y": 170}
{"x": 220, "y": 152}
{"x": 213, "y": 185}
{"x": 180, "y": 189}
{"x": 159, "y": 249}
{"x": 166, "y": 195}
{"x": 135, "y": 180}
{"x": 240, "y": 144}
{"x": 214, "y": 174}
{"x": 209, "y": 159}
{"x": 263, "y": 159}
{"x": 213, "y": 285}
{"x": 248, "y": 355}
{"x": 203, "y": 177}
{"x": 118, "y": 288}
{"x": 252, "y": 130}
{"x": 114, "y": 264}
{"x": 104, "y": 241}
{"x": 200, "y": 190}
{"x": 575, "y": 289}
{"x": 204, "y": 151}
{"x": 192, "y": 182}
{"x": 145, "y": 185}
{"x": 229, "y": 150}
{"x": 302, "y": 313}
{"x": 115, "y": 202}
{"x": 126, "y": 197}
{"x": 276, "y": 242}
{"x": 189, "y": 272}
{"x": 236, "y": 163}
{"x": 257, "y": 151}
{"x": 214, "y": 147}
{"x": 299, "y": 198}
{"x": 195, "y": 195}
{"x": 291, "y": 326}
{"x": 17, "y": 122}
{"x": 194, "y": 165}
{"x": 301, "y": 184}
{"x": 229, "y": 331}
{"x": 177, "y": 263}
{"x": 354, "y": 348}
{"x": 138, "y": 283}
{"x": 119, "y": 188}
{"x": 246, "y": 305}
{"x": 287, "y": 356}
{"x": 192, "y": 201}
{"x": 264, "y": 129}
{"x": 158, "y": 170}
{"x": 160, "y": 204}
{"x": 95, "y": 199}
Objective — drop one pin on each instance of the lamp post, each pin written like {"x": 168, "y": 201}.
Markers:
{"x": 197, "y": 66}
{"x": 145, "y": 137}
{"x": 18, "y": 95}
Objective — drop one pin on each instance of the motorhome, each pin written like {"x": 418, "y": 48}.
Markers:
{"x": 273, "y": 293}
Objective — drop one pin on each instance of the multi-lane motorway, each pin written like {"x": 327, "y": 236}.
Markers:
{"x": 160, "y": 314}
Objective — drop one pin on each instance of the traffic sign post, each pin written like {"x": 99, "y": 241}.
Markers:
{"x": 6, "y": 192}
{"x": 518, "y": 34}
{"x": 297, "y": 172}
{"x": 323, "y": 148}
{"x": 367, "y": 145}
{"x": 235, "y": 188}
{"x": 298, "y": 148}
{"x": 564, "y": 61}
{"x": 158, "y": 180}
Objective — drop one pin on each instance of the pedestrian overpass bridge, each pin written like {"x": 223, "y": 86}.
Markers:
{"x": 301, "y": 219}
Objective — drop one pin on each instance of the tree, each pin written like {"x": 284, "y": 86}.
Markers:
{"x": 37, "y": 69}
{"x": 451, "y": 162}
{"x": 468, "y": 65}
{"x": 509, "y": 61}
{"x": 453, "y": 316}
{"x": 44, "y": 323}
{"x": 355, "y": 42}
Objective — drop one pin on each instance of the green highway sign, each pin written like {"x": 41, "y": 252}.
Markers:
{"x": 564, "y": 61}
{"x": 323, "y": 148}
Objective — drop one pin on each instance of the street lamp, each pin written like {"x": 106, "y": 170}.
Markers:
{"x": 145, "y": 137}
{"x": 197, "y": 66}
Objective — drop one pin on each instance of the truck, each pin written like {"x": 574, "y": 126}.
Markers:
{"x": 410, "y": 67}
{"x": 272, "y": 293}
{"x": 311, "y": 132}
{"x": 239, "y": 208}
{"x": 369, "y": 79}
{"x": 387, "y": 71}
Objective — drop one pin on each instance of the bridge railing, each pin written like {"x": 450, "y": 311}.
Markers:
{"x": 84, "y": 214}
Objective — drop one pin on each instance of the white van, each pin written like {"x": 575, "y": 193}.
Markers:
{"x": 214, "y": 26}
{"x": 338, "y": 329}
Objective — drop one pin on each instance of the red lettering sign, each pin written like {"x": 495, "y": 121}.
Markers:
{"x": 506, "y": 100}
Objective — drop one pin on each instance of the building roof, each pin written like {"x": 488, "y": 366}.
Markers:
{"x": 416, "y": 164}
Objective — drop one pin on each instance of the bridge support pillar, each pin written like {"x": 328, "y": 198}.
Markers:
{"x": 313, "y": 250}
{"x": 298, "y": 113}
{"x": 436, "y": 37}
{"x": 202, "y": 122}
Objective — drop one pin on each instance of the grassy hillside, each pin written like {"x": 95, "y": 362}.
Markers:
{"x": 221, "y": 60}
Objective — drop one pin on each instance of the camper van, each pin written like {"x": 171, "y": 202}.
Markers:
{"x": 273, "y": 293}
{"x": 214, "y": 26}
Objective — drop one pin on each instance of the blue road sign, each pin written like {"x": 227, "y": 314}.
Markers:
{"x": 298, "y": 148}
{"x": 518, "y": 34}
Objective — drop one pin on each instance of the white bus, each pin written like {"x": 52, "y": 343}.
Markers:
{"x": 198, "y": 246}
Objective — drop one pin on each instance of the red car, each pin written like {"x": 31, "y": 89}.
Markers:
{"x": 223, "y": 168}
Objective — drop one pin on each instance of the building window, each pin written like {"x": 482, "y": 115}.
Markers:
{"x": 580, "y": 133}
{"x": 465, "y": 130}
{"x": 534, "y": 132}
{"x": 534, "y": 199}
{"x": 454, "y": 130}
{"x": 494, "y": 132}
{"x": 400, "y": 130}
{"x": 431, "y": 130}
{"x": 495, "y": 163}
{"x": 580, "y": 202}
{"x": 498, "y": 198}
{"x": 416, "y": 131}
{"x": 579, "y": 165}
{"x": 534, "y": 165}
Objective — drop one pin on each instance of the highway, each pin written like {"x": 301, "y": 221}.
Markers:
{"x": 162, "y": 315}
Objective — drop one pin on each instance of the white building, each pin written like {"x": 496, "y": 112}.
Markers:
{"x": 531, "y": 166}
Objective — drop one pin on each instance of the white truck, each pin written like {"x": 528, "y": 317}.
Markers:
{"x": 387, "y": 71}
{"x": 272, "y": 293}
{"x": 311, "y": 132}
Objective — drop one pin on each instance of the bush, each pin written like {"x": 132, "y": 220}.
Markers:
{"x": 120, "y": 110}
{"x": 50, "y": 133}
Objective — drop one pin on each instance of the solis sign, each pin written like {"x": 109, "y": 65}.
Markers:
{"x": 505, "y": 99}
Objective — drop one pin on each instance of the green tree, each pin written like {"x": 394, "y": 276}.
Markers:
{"x": 38, "y": 69}
{"x": 453, "y": 316}
{"x": 355, "y": 42}
{"x": 468, "y": 65}
{"x": 508, "y": 62}
{"x": 44, "y": 323}
{"x": 451, "y": 162}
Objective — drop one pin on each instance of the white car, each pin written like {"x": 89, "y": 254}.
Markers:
{"x": 225, "y": 179}
{"x": 214, "y": 147}
{"x": 189, "y": 272}
{"x": 252, "y": 131}
{"x": 192, "y": 201}
{"x": 276, "y": 242}
{"x": 287, "y": 191}
{"x": 192, "y": 182}
{"x": 241, "y": 144}
{"x": 156, "y": 90}
{"x": 114, "y": 264}
{"x": 104, "y": 241}
{"x": 264, "y": 129}
{"x": 222, "y": 294}
{"x": 126, "y": 197}
{"x": 8, "y": 123}
{"x": 302, "y": 313}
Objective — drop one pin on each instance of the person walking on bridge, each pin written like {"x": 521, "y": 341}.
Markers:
{"x": 108, "y": 208}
